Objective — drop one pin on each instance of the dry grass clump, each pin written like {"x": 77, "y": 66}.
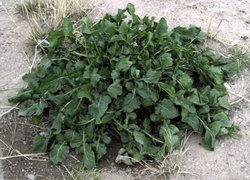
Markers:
{"x": 46, "y": 15}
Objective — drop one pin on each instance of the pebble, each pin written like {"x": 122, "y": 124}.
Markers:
{"x": 30, "y": 176}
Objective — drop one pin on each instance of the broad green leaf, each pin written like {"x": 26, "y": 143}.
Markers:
{"x": 31, "y": 79}
{"x": 115, "y": 89}
{"x": 193, "y": 121}
{"x": 87, "y": 152}
{"x": 95, "y": 78}
{"x": 84, "y": 92}
{"x": 109, "y": 27}
{"x": 130, "y": 103}
{"x": 152, "y": 76}
{"x": 204, "y": 109}
{"x": 55, "y": 39}
{"x": 106, "y": 139}
{"x": 52, "y": 83}
{"x": 216, "y": 74}
{"x": 168, "y": 89}
{"x": 162, "y": 27}
{"x": 222, "y": 117}
{"x": 32, "y": 108}
{"x": 21, "y": 96}
{"x": 223, "y": 102}
{"x": 148, "y": 93}
{"x": 185, "y": 81}
{"x": 231, "y": 69}
{"x": 98, "y": 108}
{"x": 71, "y": 107}
{"x": 139, "y": 137}
{"x": 88, "y": 157}
{"x": 59, "y": 153}
{"x": 73, "y": 138}
{"x": 101, "y": 150}
{"x": 40, "y": 144}
{"x": 59, "y": 99}
{"x": 166, "y": 60}
{"x": 212, "y": 131}
{"x": 123, "y": 64}
{"x": 107, "y": 118}
{"x": 170, "y": 135}
{"x": 115, "y": 75}
{"x": 86, "y": 25}
{"x": 166, "y": 109}
{"x": 57, "y": 123}
{"x": 67, "y": 27}
{"x": 123, "y": 29}
{"x": 131, "y": 9}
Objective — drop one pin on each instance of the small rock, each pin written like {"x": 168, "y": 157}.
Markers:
{"x": 244, "y": 38}
{"x": 30, "y": 176}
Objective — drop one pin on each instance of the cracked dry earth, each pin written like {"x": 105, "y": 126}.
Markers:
{"x": 228, "y": 19}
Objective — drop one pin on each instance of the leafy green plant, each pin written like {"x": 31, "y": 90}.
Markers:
{"x": 126, "y": 78}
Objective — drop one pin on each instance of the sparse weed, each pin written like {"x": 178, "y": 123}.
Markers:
{"x": 240, "y": 55}
{"x": 83, "y": 174}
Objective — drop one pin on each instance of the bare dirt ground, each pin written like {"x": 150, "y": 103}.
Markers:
{"x": 227, "y": 19}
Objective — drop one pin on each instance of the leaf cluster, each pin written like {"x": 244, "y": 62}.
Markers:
{"x": 129, "y": 78}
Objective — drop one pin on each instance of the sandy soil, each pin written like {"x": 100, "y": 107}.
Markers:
{"x": 13, "y": 31}
{"x": 229, "y": 20}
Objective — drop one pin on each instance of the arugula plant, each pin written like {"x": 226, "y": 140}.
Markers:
{"x": 130, "y": 78}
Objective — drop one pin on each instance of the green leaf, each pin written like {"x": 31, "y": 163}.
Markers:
{"x": 162, "y": 26}
{"x": 86, "y": 25}
{"x": 166, "y": 109}
{"x": 131, "y": 9}
{"x": 216, "y": 74}
{"x": 109, "y": 27}
{"x": 148, "y": 93}
{"x": 88, "y": 157}
{"x": 67, "y": 27}
{"x": 115, "y": 89}
{"x": 106, "y": 139}
{"x": 57, "y": 123}
{"x": 123, "y": 64}
{"x": 55, "y": 38}
{"x": 223, "y": 102}
{"x": 101, "y": 150}
{"x": 185, "y": 81}
{"x": 95, "y": 78}
{"x": 168, "y": 89}
{"x": 152, "y": 76}
{"x": 73, "y": 138}
{"x": 21, "y": 96}
{"x": 166, "y": 60}
{"x": 84, "y": 92}
{"x": 170, "y": 135}
{"x": 71, "y": 107}
{"x": 231, "y": 69}
{"x": 222, "y": 117}
{"x": 210, "y": 136}
{"x": 97, "y": 109}
{"x": 40, "y": 144}
{"x": 32, "y": 108}
{"x": 193, "y": 121}
{"x": 130, "y": 103}
{"x": 139, "y": 137}
{"x": 59, "y": 153}
{"x": 31, "y": 79}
